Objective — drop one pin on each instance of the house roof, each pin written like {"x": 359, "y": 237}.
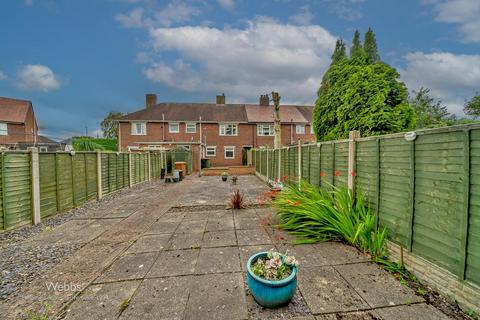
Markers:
{"x": 211, "y": 112}
{"x": 14, "y": 110}
{"x": 45, "y": 140}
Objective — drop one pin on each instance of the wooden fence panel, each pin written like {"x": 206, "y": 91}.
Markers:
{"x": 2, "y": 209}
{"x": 79, "y": 179}
{"x": 473, "y": 249}
{"x": 368, "y": 171}
{"x": 439, "y": 176}
{"x": 314, "y": 171}
{"x": 306, "y": 163}
{"x": 48, "y": 184}
{"x": 327, "y": 157}
{"x": 64, "y": 181}
{"x": 91, "y": 174}
{"x": 341, "y": 173}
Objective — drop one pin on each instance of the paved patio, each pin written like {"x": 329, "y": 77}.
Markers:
{"x": 170, "y": 254}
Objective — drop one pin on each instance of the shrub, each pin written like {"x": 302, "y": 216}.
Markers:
{"x": 237, "y": 200}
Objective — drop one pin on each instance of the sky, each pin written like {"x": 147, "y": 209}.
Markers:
{"x": 77, "y": 60}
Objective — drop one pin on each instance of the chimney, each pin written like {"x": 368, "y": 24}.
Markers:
{"x": 221, "y": 99}
{"x": 151, "y": 100}
{"x": 264, "y": 100}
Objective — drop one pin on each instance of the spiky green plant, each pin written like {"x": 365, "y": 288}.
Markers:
{"x": 321, "y": 214}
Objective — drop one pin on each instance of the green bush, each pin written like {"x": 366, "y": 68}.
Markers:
{"x": 315, "y": 214}
{"x": 92, "y": 144}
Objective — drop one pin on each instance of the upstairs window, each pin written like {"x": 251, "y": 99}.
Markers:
{"x": 139, "y": 128}
{"x": 228, "y": 129}
{"x": 300, "y": 129}
{"x": 190, "y": 127}
{"x": 265, "y": 130}
{"x": 174, "y": 127}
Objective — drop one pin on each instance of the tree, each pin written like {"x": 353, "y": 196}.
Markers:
{"x": 358, "y": 95}
{"x": 277, "y": 141}
{"x": 429, "y": 113}
{"x": 370, "y": 47}
{"x": 110, "y": 126}
{"x": 340, "y": 52}
{"x": 472, "y": 107}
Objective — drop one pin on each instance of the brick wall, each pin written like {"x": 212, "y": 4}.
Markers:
{"x": 20, "y": 132}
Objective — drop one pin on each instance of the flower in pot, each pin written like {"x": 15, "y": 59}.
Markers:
{"x": 272, "y": 278}
{"x": 224, "y": 176}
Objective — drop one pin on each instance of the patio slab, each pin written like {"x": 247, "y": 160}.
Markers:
{"x": 356, "y": 315}
{"x": 220, "y": 224}
{"x": 415, "y": 311}
{"x": 130, "y": 266}
{"x": 219, "y": 239}
{"x": 175, "y": 263}
{"x": 215, "y": 260}
{"x": 377, "y": 286}
{"x": 150, "y": 243}
{"x": 253, "y": 237}
{"x": 192, "y": 226}
{"x": 164, "y": 226}
{"x": 244, "y": 223}
{"x": 185, "y": 241}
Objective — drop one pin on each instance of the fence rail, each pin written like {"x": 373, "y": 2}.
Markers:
{"x": 425, "y": 191}
{"x": 34, "y": 186}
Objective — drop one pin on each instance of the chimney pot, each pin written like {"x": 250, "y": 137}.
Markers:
{"x": 221, "y": 99}
{"x": 151, "y": 100}
{"x": 264, "y": 100}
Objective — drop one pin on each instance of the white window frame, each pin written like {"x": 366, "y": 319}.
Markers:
{"x": 190, "y": 124}
{"x": 143, "y": 131}
{"x": 297, "y": 127}
{"x": 3, "y": 129}
{"x": 214, "y": 148}
{"x": 232, "y": 148}
{"x": 222, "y": 129}
{"x": 170, "y": 127}
{"x": 43, "y": 149}
{"x": 261, "y": 133}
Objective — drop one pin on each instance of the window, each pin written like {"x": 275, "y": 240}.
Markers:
{"x": 3, "y": 129}
{"x": 43, "y": 149}
{"x": 190, "y": 127}
{"x": 139, "y": 128}
{"x": 300, "y": 129}
{"x": 174, "y": 127}
{"x": 228, "y": 129}
{"x": 229, "y": 152}
{"x": 211, "y": 151}
{"x": 265, "y": 130}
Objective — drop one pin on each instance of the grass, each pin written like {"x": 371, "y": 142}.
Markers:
{"x": 315, "y": 214}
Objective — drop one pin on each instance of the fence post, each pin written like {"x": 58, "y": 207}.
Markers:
{"x": 267, "y": 165}
{"x": 99, "y": 175}
{"x": 353, "y": 135}
{"x": 299, "y": 161}
{"x": 279, "y": 164}
{"x": 149, "y": 167}
{"x": 35, "y": 174}
{"x": 465, "y": 217}
{"x": 130, "y": 170}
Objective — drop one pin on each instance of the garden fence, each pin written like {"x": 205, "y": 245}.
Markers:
{"x": 34, "y": 186}
{"x": 426, "y": 191}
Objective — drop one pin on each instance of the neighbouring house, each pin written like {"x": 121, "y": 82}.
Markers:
{"x": 221, "y": 132}
{"x": 18, "y": 126}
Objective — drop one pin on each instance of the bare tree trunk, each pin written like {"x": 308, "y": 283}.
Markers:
{"x": 277, "y": 142}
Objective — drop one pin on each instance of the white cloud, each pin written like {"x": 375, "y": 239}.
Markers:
{"x": 302, "y": 17}
{"x": 3, "y": 76}
{"x": 37, "y": 77}
{"x": 345, "y": 9}
{"x": 174, "y": 12}
{"x": 465, "y": 13}
{"x": 262, "y": 57}
{"x": 227, "y": 4}
{"x": 451, "y": 78}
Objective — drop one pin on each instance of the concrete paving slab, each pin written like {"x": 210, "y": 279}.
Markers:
{"x": 102, "y": 301}
{"x": 221, "y": 214}
{"x": 325, "y": 291}
{"x": 200, "y": 215}
{"x": 175, "y": 263}
{"x": 217, "y": 296}
{"x": 245, "y": 213}
{"x": 185, "y": 241}
{"x": 220, "y": 224}
{"x": 192, "y": 226}
{"x": 164, "y": 226}
{"x": 340, "y": 253}
{"x": 356, "y": 315}
{"x": 215, "y": 260}
{"x": 129, "y": 266}
{"x": 415, "y": 311}
{"x": 266, "y": 212}
{"x": 247, "y": 223}
{"x": 150, "y": 243}
{"x": 247, "y": 251}
{"x": 219, "y": 239}
{"x": 253, "y": 237}
{"x": 376, "y": 286}
{"x": 164, "y": 298}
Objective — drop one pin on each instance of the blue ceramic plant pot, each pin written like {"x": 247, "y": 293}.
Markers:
{"x": 269, "y": 293}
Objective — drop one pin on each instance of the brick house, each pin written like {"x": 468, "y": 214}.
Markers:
{"x": 18, "y": 126}
{"x": 223, "y": 131}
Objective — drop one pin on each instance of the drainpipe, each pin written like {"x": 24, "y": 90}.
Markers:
{"x": 163, "y": 127}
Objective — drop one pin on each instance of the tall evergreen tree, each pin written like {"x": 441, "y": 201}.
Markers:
{"x": 356, "y": 49}
{"x": 370, "y": 47}
{"x": 340, "y": 52}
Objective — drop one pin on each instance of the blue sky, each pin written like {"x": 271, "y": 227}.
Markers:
{"x": 76, "y": 60}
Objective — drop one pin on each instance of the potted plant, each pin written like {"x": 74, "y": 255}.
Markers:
{"x": 224, "y": 176}
{"x": 272, "y": 278}
{"x": 275, "y": 188}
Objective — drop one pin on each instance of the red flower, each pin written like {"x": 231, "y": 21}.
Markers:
{"x": 337, "y": 173}
{"x": 353, "y": 173}
{"x": 322, "y": 174}
{"x": 297, "y": 203}
{"x": 284, "y": 178}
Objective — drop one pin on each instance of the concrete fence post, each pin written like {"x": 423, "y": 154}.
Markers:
{"x": 279, "y": 164}
{"x": 130, "y": 169}
{"x": 268, "y": 165}
{"x": 99, "y": 175}
{"x": 299, "y": 161}
{"x": 149, "y": 166}
{"x": 249, "y": 158}
{"x": 35, "y": 173}
{"x": 352, "y": 137}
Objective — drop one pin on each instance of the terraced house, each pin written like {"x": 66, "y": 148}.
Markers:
{"x": 220, "y": 131}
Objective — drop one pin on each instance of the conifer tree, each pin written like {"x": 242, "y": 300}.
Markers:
{"x": 356, "y": 49}
{"x": 370, "y": 47}
{"x": 340, "y": 52}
